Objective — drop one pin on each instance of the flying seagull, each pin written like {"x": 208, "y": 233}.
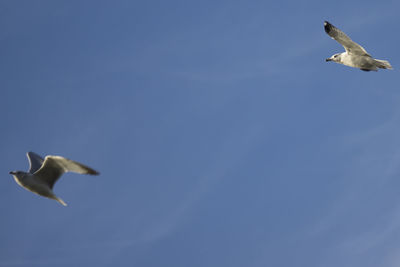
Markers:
{"x": 44, "y": 173}
{"x": 355, "y": 55}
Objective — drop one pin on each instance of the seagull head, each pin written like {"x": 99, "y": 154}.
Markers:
{"x": 335, "y": 58}
{"x": 18, "y": 174}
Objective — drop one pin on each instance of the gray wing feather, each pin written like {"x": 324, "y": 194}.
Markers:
{"x": 72, "y": 166}
{"x": 54, "y": 166}
{"x": 348, "y": 44}
{"x": 35, "y": 161}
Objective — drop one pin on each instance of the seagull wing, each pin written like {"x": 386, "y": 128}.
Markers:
{"x": 54, "y": 166}
{"x": 348, "y": 44}
{"x": 35, "y": 161}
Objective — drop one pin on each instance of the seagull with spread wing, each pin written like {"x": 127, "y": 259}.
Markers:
{"x": 44, "y": 173}
{"x": 355, "y": 55}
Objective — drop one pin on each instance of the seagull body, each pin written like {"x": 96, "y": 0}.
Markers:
{"x": 44, "y": 173}
{"x": 355, "y": 56}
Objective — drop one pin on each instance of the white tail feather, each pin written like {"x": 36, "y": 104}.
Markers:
{"x": 61, "y": 201}
{"x": 383, "y": 64}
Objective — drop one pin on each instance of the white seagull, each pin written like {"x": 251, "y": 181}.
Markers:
{"x": 44, "y": 173}
{"x": 355, "y": 55}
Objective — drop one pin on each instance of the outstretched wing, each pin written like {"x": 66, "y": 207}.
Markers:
{"x": 54, "y": 166}
{"x": 348, "y": 44}
{"x": 35, "y": 161}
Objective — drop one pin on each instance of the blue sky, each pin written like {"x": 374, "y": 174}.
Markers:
{"x": 222, "y": 136}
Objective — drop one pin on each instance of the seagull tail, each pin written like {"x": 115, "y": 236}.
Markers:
{"x": 51, "y": 195}
{"x": 383, "y": 64}
{"x": 61, "y": 201}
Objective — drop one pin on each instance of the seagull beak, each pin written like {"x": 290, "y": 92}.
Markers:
{"x": 328, "y": 59}
{"x": 13, "y": 173}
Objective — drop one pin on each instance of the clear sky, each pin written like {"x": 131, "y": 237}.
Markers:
{"x": 222, "y": 136}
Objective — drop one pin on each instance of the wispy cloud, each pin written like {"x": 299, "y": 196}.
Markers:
{"x": 374, "y": 165}
{"x": 229, "y": 155}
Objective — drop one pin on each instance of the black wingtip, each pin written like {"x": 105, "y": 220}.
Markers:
{"x": 92, "y": 172}
{"x": 328, "y": 27}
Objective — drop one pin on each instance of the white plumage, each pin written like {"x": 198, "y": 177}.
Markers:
{"x": 355, "y": 56}
{"x": 44, "y": 173}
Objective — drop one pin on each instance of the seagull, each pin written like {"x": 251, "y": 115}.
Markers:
{"x": 355, "y": 56}
{"x": 44, "y": 173}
